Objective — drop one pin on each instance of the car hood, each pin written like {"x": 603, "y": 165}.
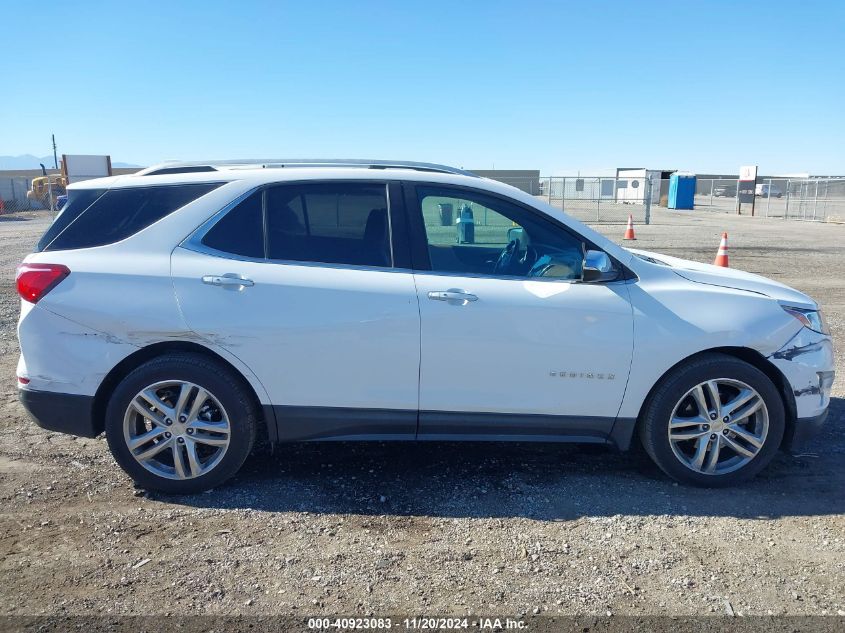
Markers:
{"x": 730, "y": 278}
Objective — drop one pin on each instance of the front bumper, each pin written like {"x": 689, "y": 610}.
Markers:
{"x": 807, "y": 363}
{"x": 62, "y": 412}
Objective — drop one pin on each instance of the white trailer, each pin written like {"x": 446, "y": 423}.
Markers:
{"x": 632, "y": 185}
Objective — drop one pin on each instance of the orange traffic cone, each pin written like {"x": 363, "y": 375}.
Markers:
{"x": 722, "y": 254}
{"x": 629, "y": 232}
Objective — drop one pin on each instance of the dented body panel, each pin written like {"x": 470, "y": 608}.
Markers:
{"x": 807, "y": 363}
{"x": 60, "y": 355}
{"x": 100, "y": 315}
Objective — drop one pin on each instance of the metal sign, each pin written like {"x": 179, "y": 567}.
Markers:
{"x": 748, "y": 172}
{"x": 745, "y": 187}
{"x": 745, "y": 191}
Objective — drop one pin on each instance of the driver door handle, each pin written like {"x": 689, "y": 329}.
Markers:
{"x": 229, "y": 280}
{"x": 452, "y": 296}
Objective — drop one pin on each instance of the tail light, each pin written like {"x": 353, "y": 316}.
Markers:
{"x": 36, "y": 280}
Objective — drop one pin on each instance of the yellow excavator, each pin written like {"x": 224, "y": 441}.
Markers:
{"x": 43, "y": 186}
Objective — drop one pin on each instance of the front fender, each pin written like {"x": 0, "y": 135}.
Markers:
{"x": 675, "y": 319}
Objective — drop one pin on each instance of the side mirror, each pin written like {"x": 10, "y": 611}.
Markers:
{"x": 597, "y": 267}
{"x": 515, "y": 233}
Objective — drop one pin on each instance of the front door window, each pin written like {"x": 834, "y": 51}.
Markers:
{"x": 471, "y": 233}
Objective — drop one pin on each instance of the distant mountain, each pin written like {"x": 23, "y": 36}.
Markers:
{"x": 28, "y": 161}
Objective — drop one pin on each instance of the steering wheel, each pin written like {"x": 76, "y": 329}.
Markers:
{"x": 506, "y": 257}
{"x": 513, "y": 261}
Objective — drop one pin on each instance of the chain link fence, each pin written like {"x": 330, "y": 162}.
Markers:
{"x": 609, "y": 200}
{"x": 596, "y": 199}
{"x": 21, "y": 193}
{"x": 815, "y": 199}
{"x": 13, "y": 190}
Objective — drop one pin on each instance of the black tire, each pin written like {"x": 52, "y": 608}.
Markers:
{"x": 654, "y": 420}
{"x": 219, "y": 380}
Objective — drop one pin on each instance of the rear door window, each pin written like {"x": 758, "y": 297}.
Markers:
{"x": 332, "y": 223}
{"x": 98, "y": 218}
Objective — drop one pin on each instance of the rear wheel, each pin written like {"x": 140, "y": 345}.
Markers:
{"x": 714, "y": 421}
{"x": 181, "y": 423}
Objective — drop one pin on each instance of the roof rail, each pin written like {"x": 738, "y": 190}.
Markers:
{"x": 175, "y": 167}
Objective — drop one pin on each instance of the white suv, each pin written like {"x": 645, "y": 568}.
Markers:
{"x": 186, "y": 308}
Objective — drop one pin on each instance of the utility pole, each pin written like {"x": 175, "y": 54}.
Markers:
{"x": 55, "y": 156}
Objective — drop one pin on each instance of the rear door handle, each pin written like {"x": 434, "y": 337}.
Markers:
{"x": 229, "y": 281}
{"x": 453, "y": 296}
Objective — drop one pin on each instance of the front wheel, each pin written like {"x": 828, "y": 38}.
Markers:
{"x": 714, "y": 421}
{"x": 181, "y": 423}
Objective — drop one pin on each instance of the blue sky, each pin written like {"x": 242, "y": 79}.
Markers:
{"x": 564, "y": 87}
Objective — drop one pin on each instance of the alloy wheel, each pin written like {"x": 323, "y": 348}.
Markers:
{"x": 718, "y": 426}
{"x": 176, "y": 429}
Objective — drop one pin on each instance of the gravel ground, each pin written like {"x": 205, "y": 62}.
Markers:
{"x": 437, "y": 528}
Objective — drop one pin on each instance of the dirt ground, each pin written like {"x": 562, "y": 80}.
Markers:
{"x": 438, "y": 529}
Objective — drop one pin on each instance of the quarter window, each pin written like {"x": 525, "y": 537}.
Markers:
{"x": 95, "y": 218}
{"x": 78, "y": 200}
{"x": 472, "y": 233}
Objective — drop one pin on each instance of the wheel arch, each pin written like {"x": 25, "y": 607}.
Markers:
{"x": 267, "y": 432}
{"x": 753, "y": 358}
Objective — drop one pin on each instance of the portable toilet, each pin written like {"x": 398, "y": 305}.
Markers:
{"x": 681, "y": 191}
{"x": 466, "y": 226}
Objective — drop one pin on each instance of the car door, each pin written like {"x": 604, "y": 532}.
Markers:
{"x": 513, "y": 344}
{"x": 302, "y": 282}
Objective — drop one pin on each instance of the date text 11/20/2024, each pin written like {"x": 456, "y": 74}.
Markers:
{"x": 415, "y": 624}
